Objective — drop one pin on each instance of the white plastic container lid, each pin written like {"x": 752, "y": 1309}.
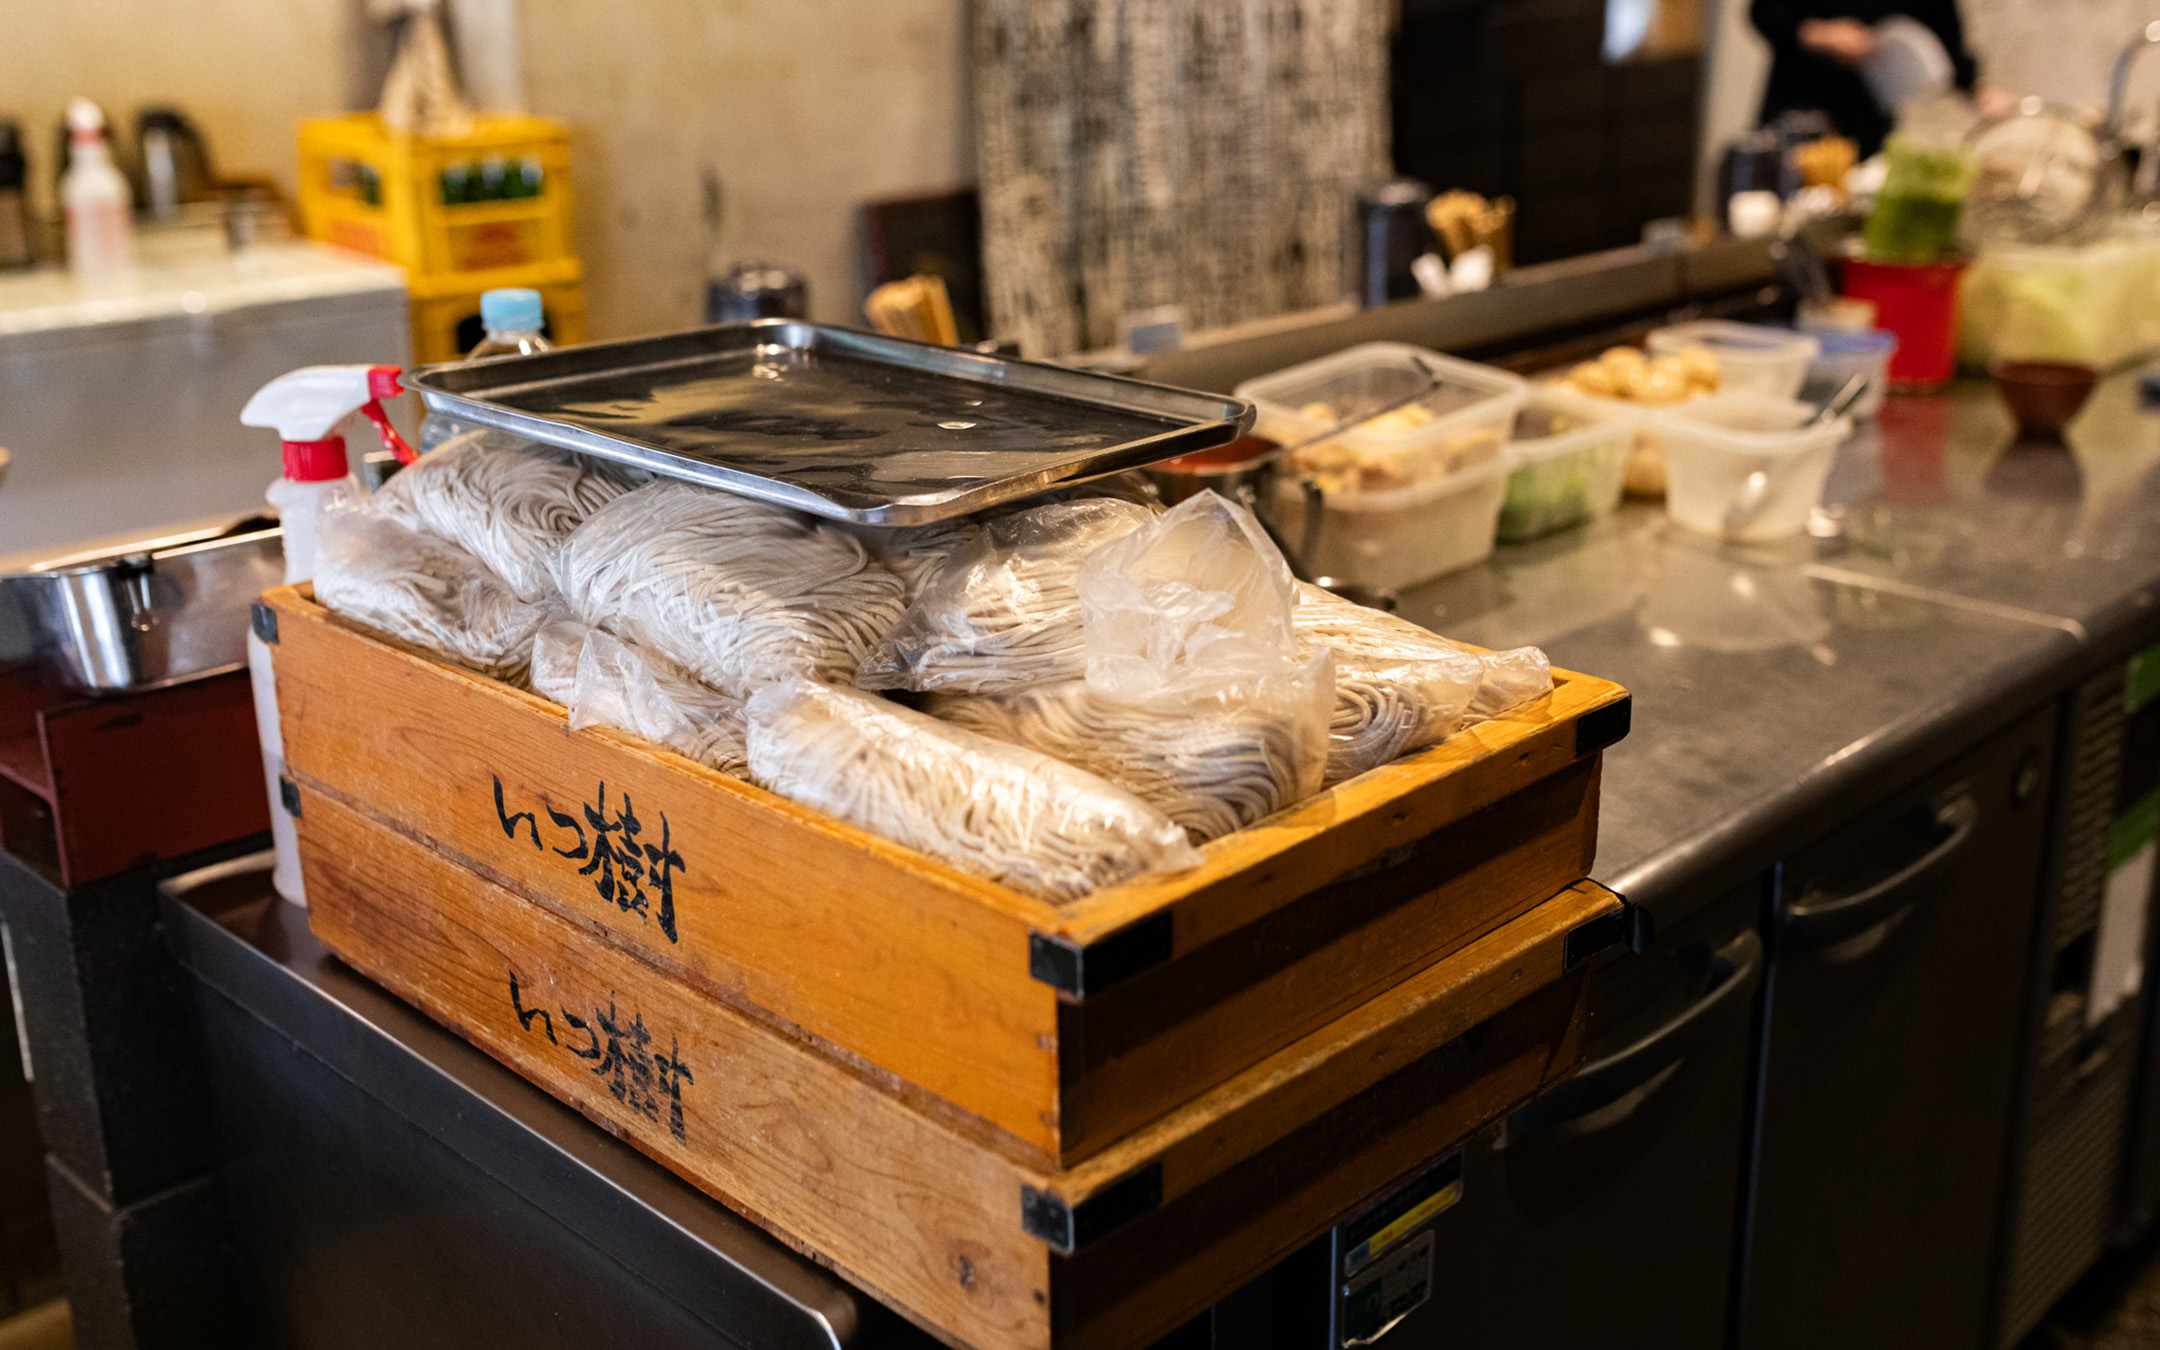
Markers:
{"x": 1750, "y": 356}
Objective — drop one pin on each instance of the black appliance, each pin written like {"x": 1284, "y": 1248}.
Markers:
{"x": 2085, "y": 1169}
{"x": 1637, "y": 1159}
{"x": 1898, "y": 957}
{"x": 386, "y": 1184}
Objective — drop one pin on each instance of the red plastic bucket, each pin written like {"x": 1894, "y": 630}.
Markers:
{"x": 1918, "y": 302}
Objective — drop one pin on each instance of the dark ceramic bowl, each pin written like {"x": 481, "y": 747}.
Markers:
{"x": 2043, "y": 395}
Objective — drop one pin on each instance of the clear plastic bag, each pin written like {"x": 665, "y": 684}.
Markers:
{"x": 556, "y": 649}
{"x": 605, "y": 681}
{"x": 422, "y": 589}
{"x": 1003, "y": 614}
{"x": 1199, "y": 597}
{"x": 505, "y": 500}
{"x": 1213, "y": 762}
{"x": 1399, "y": 687}
{"x": 740, "y": 593}
{"x": 988, "y": 808}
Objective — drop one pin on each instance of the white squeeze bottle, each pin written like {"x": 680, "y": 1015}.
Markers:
{"x": 512, "y": 317}
{"x": 100, "y": 222}
{"x": 305, "y": 408}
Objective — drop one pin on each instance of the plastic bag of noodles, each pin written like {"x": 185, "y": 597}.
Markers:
{"x": 1002, "y": 613}
{"x": 1213, "y": 761}
{"x": 1199, "y": 597}
{"x": 1399, "y": 687}
{"x": 740, "y": 593}
{"x": 605, "y": 681}
{"x": 422, "y": 589}
{"x": 991, "y": 809}
{"x": 505, "y": 500}
{"x": 1192, "y": 698}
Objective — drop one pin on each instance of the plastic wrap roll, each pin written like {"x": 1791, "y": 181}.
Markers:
{"x": 1399, "y": 687}
{"x": 1212, "y": 762}
{"x": 740, "y": 593}
{"x": 1003, "y": 615}
{"x": 506, "y": 501}
{"x": 988, "y": 808}
{"x": 423, "y": 590}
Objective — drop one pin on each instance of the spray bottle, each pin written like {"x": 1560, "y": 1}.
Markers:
{"x": 305, "y": 407}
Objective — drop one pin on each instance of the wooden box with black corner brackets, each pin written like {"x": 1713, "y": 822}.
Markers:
{"x": 1049, "y": 1032}
{"x": 985, "y": 1247}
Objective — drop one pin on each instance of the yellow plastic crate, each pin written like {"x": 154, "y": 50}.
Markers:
{"x": 446, "y": 322}
{"x": 464, "y": 212}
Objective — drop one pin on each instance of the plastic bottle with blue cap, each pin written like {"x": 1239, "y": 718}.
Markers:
{"x": 513, "y": 317}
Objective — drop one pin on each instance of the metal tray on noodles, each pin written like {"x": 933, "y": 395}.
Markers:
{"x": 852, "y": 426}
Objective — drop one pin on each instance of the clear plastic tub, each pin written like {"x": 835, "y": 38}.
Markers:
{"x": 1567, "y": 459}
{"x": 1398, "y": 538}
{"x": 1747, "y": 466}
{"x": 1462, "y": 422}
{"x": 1846, "y": 353}
{"x": 1751, "y": 357}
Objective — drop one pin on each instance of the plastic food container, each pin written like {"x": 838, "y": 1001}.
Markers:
{"x": 1464, "y": 421}
{"x": 1747, "y": 466}
{"x": 1397, "y": 538}
{"x": 1751, "y": 357}
{"x": 1566, "y": 462}
{"x": 1846, "y": 353}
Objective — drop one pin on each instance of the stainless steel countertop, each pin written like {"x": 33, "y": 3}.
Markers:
{"x": 1781, "y": 688}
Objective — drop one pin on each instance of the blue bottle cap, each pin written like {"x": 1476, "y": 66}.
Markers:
{"x": 511, "y": 309}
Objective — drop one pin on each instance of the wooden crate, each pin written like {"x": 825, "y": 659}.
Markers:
{"x": 1050, "y": 1031}
{"x": 985, "y": 1249}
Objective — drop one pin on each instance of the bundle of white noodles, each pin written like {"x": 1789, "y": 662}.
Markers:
{"x": 1213, "y": 762}
{"x": 1191, "y": 700}
{"x": 504, "y": 499}
{"x": 1400, "y": 688}
{"x": 605, "y": 681}
{"x": 423, "y": 590}
{"x": 1002, "y": 614}
{"x": 990, "y": 809}
{"x": 740, "y": 593}
{"x": 917, "y": 554}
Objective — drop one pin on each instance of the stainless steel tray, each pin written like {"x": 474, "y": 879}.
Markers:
{"x": 854, "y": 426}
{"x": 149, "y": 611}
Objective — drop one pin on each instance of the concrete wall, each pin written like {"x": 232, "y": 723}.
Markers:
{"x": 2063, "y": 49}
{"x": 245, "y": 69}
{"x": 802, "y": 109}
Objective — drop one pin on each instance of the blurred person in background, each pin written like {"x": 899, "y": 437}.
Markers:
{"x": 1818, "y": 47}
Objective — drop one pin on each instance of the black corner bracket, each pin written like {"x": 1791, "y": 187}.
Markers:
{"x": 289, "y": 796}
{"x": 263, "y": 620}
{"x": 1628, "y": 924}
{"x": 1081, "y": 971}
{"x": 1068, "y": 1228}
{"x": 1604, "y": 726}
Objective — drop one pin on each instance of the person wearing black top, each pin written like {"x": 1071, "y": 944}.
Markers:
{"x": 1817, "y": 47}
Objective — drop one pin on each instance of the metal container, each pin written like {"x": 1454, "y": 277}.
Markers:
{"x": 145, "y": 612}
{"x": 852, "y": 426}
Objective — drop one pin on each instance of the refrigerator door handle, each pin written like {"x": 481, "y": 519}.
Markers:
{"x": 1604, "y": 1082}
{"x": 1815, "y": 921}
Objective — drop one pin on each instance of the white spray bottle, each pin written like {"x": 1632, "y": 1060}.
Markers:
{"x": 305, "y": 408}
